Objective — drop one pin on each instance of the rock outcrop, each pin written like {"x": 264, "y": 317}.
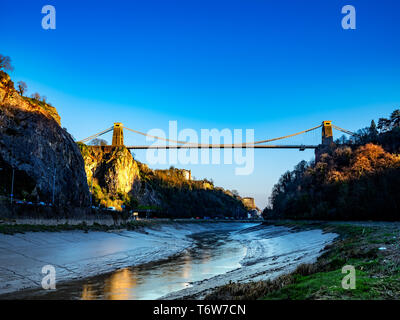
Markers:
{"x": 44, "y": 156}
{"x": 114, "y": 177}
{"x": 113, "y": 168}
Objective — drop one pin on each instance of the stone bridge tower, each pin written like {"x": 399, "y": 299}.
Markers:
{"x": 118, "y": 135}
{"x": 327, "y": 140}
{"x": 327, "y": 135}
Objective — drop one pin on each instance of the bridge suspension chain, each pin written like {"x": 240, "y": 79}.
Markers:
{"x": 288, "y": 136}
{"x": 183, "y": 142}
{"x": 155, "y": 137}
{"x": 219, "y": 145}
{"x": 96, "y": 135}
{"x": 245, "y": 144}
{"x": 345, "y": 131}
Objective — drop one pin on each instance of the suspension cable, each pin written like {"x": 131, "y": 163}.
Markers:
{"x": 155, "y": 137}
{"x": 96, "y": 135}
{"x": 216, "y": 145}
{"x": 288, "y": 136}
{"x": 345, "y": 131}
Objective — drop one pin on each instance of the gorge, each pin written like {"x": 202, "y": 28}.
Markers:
{"x": 47, "y": 166}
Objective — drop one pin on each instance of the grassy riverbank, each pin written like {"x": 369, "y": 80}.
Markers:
{"x": 372, "y": 248}
{"x": 13, "y": 228}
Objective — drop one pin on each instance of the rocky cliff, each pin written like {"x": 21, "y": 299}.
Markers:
{"x": 43, "y": 155}
{"x": 118, "y": 180}
{"x": 111, "y": 174}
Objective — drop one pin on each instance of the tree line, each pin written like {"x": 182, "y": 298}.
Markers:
{"x": 356, "y": 178}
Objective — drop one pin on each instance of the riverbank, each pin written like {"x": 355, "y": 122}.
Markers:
{"x": 373, "y": 248}
{"x": 96, "y": 223}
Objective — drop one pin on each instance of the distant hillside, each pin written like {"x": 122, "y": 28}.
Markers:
{"x": 358, "y": 180}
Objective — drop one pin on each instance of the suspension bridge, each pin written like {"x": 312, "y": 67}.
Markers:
{"x": 326, "y": 139}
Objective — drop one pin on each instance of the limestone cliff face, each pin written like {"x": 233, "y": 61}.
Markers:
{"x": 114, "y": 176}
{"x": 41, "y": 153}
{"x": 113, "y": 169}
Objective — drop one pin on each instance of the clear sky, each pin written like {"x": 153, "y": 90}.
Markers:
{"x": 273, "y": 66}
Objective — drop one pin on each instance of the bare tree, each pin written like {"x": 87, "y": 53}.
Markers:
{"x": 98, "y": 142}
{"x": 5, "y": 63}
{"x": 235, "y": 193}
{"x": 36, "y": 96}
{"x": 22, "y": 87}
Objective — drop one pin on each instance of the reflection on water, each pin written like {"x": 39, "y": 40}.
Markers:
{"x": 118, "y": 285}
{"x": 213, "y": 254}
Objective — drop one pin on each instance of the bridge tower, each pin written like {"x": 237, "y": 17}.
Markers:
{"x": 118, "y": 135}
{"x": 327, "y": 135}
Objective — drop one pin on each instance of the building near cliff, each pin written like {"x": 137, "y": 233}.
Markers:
{"x": 181, "y": 173}
{"x": 249, "y": 203}
{"x": 187, "y": 174}
{"x": 253, "y": 212}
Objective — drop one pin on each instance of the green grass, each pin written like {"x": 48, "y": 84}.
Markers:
{"x": 377, "y": 272}
{"x": 327, "y": 285}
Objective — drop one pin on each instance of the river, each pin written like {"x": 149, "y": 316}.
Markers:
{"x": 213, "y": 253}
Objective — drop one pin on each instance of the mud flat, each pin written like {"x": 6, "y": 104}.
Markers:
{"x": 271, "y": 251}
{"x": 78, "y": 255}
{"x": 263, "y": 252}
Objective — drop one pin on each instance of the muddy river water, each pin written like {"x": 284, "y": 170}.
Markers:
{"x": 213, "y": 253}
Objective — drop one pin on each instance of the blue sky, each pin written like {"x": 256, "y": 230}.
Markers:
{"x": 273, "y": 66}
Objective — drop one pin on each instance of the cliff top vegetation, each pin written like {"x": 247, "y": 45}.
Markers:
{"x": 357, "y": 178}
